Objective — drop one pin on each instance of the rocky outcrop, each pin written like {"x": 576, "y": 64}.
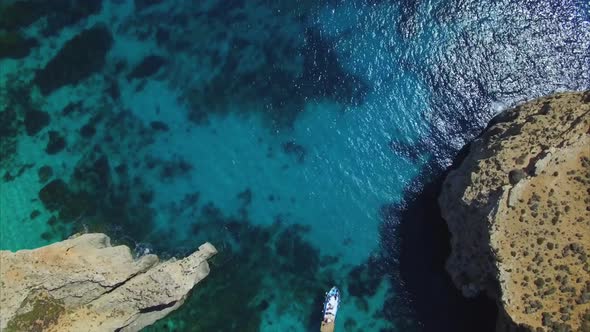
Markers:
{"x": 85, "y": 284}
{"x": 80, "y": 57}
{"x": 518, "y": 209}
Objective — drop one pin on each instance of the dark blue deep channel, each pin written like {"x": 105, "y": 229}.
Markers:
{"x": 304, "y": 139}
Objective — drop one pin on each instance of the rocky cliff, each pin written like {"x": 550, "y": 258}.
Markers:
{"x": 85, "y": 284}
{"x": 518, "y": 209}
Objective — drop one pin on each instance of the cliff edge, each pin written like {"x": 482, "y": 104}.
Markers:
{"x": 518, "y": 209}
{"x": 85, "y": 284}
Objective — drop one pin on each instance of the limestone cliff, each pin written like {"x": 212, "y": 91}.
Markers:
{"x": 85, "y": 284}
{"x": 518, "y": 209}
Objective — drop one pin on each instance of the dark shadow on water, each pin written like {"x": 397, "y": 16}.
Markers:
{"x": 417, "y": 243}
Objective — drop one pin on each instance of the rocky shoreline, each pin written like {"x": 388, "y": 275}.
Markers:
{"x": 86, "y": 284}
{"x": 517, "y": 208}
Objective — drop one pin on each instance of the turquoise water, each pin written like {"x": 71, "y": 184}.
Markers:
{"x": 294, "y": 136}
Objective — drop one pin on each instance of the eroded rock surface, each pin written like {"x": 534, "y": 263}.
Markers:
{"x": 85, "y": 284}
{"x": 518, "y": 208}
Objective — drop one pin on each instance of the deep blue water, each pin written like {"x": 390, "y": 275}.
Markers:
{"x": 304, "y": 139}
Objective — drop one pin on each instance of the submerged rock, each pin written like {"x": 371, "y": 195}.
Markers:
{"x": 143, "y": 4}
{"x": 19, "y": 14}
{"x": 54, "y": 195}
{"x": 147, "y": 67}
{"x": 44, "y": 173}
{"x": 85, "y": 284}
{"x": 35, "y": 121}
{"x": 9, "y": 129}
{"x": 14, "y": 45}
{"x": 87, "y": 130}
{"x": 78, "y": 59}
{"x": 297, "y": 150}
{"x": 159, "y": 125}
{"x": 58, "y": 13}
{"x": 518, "y": 209}
{"x": 56, "y": 142}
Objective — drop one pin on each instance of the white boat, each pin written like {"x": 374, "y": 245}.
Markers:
{"x": 331, "y": 305}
